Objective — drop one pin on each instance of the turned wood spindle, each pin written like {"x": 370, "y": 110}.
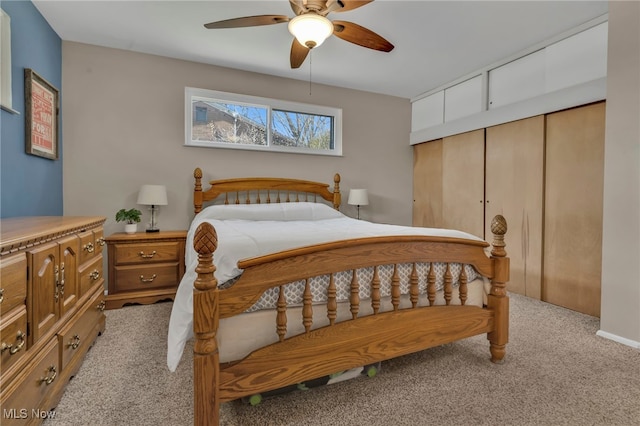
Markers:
{"x": 332, "y": 303}
{"x": 414, "y": 289}
{"x": 375, "y": 291}
{"x": 354, "y": 298}
{"x": 281, "y": 318}
{"x": 307, "y": 309}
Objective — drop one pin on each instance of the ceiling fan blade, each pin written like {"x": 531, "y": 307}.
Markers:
{"x": 298, "y": 53}
{"x": 354, "y": 33}
{"x": 351, "y": 4}
{"x": 248, "y": 21}
{"x": 297, "y": 6}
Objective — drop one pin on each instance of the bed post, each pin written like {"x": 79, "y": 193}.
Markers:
{"x": 197, "y": 190}
{"x": 497, "y": 299}
{"x": 337, "y": 198}
{"x": 206, "y": 367}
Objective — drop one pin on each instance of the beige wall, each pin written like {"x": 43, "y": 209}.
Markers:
{"x": 124, "y": 127}
{"x": 620, "y": 309}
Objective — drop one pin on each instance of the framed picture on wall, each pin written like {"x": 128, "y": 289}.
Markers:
{"x": 41, "y": 117}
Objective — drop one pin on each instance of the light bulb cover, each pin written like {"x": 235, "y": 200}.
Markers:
{"x": 310, "y": 29}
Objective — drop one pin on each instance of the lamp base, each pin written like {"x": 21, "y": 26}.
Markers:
{"x": 153, "y": 230}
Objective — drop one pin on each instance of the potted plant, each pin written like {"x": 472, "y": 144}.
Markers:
{"x": 131, "y": 217}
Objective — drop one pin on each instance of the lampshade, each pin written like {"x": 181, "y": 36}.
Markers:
{"x": 152, "y": 195}
{"x": 310, "y": 29}
{"x": 358, "y": 197}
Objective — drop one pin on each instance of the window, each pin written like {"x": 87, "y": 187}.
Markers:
{"x": 226, "y": 120}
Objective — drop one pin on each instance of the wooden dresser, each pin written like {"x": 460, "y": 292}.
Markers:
{"x": 51, "y": 309}
{"x": 144, "y": 267}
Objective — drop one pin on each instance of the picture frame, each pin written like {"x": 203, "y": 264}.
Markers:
{"x": 41, "y": 116}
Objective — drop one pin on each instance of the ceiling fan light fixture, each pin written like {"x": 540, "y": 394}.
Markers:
{"x": 310, "y": 29}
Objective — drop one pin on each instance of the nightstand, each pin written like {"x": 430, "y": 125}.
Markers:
{"x": 144, "y": 267}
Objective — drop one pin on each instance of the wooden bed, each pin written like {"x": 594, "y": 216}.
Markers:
{"x": 359, "y": 341}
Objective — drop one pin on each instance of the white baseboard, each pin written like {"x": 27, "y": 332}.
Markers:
{"x": 618, "y": 339}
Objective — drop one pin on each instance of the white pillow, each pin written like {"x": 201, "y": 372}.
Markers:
{"x": 275, "y": 211}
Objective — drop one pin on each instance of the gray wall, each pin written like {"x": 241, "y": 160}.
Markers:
{"x": 124, "y": 127}
{"x": 620, "y": 309}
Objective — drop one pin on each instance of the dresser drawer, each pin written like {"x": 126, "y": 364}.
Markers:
{"x": 156, "y": 252}
{"x": 13, "y": 333}
{"x": 80, "y": 333}
{"x": 90, "y": 274}
{"x": 13, "y": 282}
{"x": 129, "y": 278}
{"x": 30, "y": 388}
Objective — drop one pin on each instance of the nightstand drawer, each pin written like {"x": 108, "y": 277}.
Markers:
{"x": 156, "y": 252}
{"x": 130, "y": 278}
{"x": 145, "y": 267}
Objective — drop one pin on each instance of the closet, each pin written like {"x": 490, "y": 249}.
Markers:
{"x": 573, "y": 208}
{"x": 544, "y": 175}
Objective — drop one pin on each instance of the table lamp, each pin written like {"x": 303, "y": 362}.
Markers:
{"x": 153, "y": 195}
{"x": 358, "y": 197}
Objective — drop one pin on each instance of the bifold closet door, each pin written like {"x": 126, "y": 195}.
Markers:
{"x": 448, "y": 183}
{"x": 427, "y": 184}
{"x": 514, "y": 188}
{"x": 463, "y": 182}
{"x": 573, "y": 208}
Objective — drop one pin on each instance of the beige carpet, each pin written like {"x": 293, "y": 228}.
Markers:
{"x": 556, "y": 372}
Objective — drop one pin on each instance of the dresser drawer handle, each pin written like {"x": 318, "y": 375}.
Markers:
{"x": 1, "y": 294}
{"x": 89, "y": 247}
{"x": 147, "y": 280}
{"x": 100, "y": 306}
{"x": 20, "y": 339}
{"x": 49, "y": 379}
{"x": 100, "y": 241}
{"x": 74, "y": 342}
{"x": 94, "y": 275}
{"x": 147, "y": 256}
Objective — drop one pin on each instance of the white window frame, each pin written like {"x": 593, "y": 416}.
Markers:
{"x": 269, "y": 105}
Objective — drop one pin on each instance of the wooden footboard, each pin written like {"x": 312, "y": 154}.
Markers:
{"x": 340, "y": 345}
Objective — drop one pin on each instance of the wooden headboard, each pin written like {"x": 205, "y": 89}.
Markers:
{"x": 264, "y": 190}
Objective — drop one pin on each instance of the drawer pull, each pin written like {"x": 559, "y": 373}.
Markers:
{"x": 94, "y": 275}
{"x": 1, "y": 294}
{"x": 100, "y": 306}
{"x": 100, "y": 241}
{"x": 147, "y": 256}
{"x": 74, "y": 342}
{"x": 49, "y": 379}
{"x": 147, "y": 280}
{"x": 89, "y": 247}
{"x": 20, "y": 338}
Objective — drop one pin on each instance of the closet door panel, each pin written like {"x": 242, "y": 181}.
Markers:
{"x": 463, "y": 182}
{"x": 427, "y": 184}
{"x": 573, "y": 208}
{"x": 514, "y": 189}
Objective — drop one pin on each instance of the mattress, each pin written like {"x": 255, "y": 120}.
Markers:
{"x": 252, "y": 230}
{"x": 239, "y": 335}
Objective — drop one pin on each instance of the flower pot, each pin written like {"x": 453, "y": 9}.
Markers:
{"x": 131, "y": 228}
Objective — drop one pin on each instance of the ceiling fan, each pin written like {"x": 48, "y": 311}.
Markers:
{"x": 310, "y": 27}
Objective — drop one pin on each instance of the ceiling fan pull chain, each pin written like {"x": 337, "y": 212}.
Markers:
{"x": 310, "y": 64}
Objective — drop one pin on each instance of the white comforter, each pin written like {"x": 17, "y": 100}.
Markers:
{"x": 256, "y": 229}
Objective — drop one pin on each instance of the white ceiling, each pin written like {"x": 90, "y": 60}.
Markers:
{"x": 435, "y": 41}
